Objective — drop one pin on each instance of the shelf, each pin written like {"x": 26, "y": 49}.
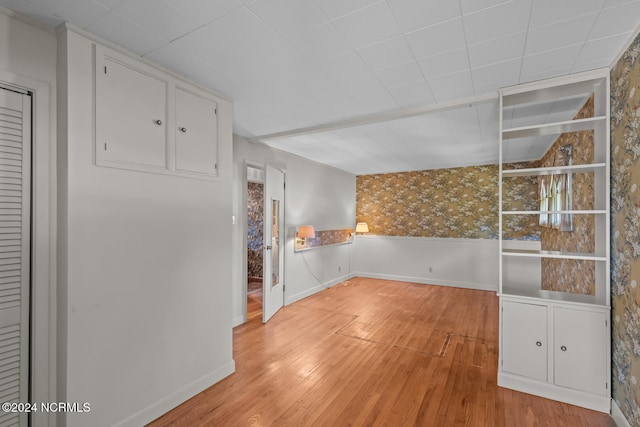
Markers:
{"x": 553, "y": 89}
{"x": 553, "y": 170}
{"x": 563, "y": 297}
{"x": 584, "y": 212}
{"x": 553, "y": 254}
{"x": 554, "y": 128}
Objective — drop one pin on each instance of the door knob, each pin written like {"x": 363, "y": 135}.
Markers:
{"x": 267, "y": 248}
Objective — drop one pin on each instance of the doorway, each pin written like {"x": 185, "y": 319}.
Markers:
{"x": 255, "y": 241}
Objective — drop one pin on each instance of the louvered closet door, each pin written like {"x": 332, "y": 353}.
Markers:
{"x": 15, "y": 214}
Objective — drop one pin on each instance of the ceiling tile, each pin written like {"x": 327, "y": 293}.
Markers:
{"x": 545, "y": 12}
{"x": 109, "y": 4}
{"x": 452, "y": 86}
{"x": 205, "y": 11}
{"x": 157, "y": 16}
{"x": 602, "y": 51}
{"x": 437, "y": 39}
{"x": 80, "y": 13}
{"x": 320, "y": 42}
{"x": 120, "y": 30}
{"x": 214, "y": 50}
{"x": 386, "y": 53}
{"x": 555, "y": 62}
{"x": 470, "y": 6}
{"x": 354, "y": 77}
{"x": 337, "y": 8}
{"x": 368, "y": 26}
{"x": 444, "y": 63}
{"x": 415, "y": 14}
{"x": 560, "y": 34}
{"x": 255, "y": 38}
{"x": 501, "y": 74}
{"x": 288, "y": 17}
{"x": 616, "y": 20}
{"x": 500, "y": 21}
{"x": 34, "y": 12}
{"x": 497, "y": 50}
{"x": 413, "y": 94}
{"x": 400, "y": 74}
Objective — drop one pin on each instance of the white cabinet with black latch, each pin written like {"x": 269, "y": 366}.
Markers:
{"x": 151, "y": 121}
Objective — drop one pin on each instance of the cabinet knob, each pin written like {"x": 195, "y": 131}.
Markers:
{"x": 538, "y": 343}
{"x": 183, "y": 129}
{"x": 563, "y": 348}
{"x": 158, "y": 122}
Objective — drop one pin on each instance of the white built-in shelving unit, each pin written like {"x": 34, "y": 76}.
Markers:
{"x": 555, "y": 344}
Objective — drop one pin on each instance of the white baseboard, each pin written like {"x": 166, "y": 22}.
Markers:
{"x": 550, "y": 391}
{"x": 618, "y": 416}
{"x": 307, "y": 293}
{"x": 431, "y": 281}
{"x": 162, "y": 406}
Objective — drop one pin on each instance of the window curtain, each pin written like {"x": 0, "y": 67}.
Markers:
{"x": 555, "y": 196}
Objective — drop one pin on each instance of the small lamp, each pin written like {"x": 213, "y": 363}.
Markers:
{"x": 362, "y": 228}
{"x": 306, "y": 232}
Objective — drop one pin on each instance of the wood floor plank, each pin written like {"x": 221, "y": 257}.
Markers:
{"x": 374, "y": 352}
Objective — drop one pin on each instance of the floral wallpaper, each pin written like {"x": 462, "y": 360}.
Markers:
{"x": 572, "y": 275}
{"x": 449, "y": 203}
{"x": 625, "y": 231}
{"x": 255, "y": 223}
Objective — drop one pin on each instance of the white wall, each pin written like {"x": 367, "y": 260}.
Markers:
{"x": 315, "y": 194}
{"x": 147, "y": 293}
{"x": 28, "y": 60}
{"x": 463, "y": 263}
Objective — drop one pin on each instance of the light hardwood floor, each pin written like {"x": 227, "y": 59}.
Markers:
{"x": 373, "y": 352}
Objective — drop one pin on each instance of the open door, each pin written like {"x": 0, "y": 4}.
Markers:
{"x": 273, "y": 260}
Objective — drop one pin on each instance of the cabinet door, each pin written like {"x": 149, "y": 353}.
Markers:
{"x": 196, "y": 133}
{"x": 580, "y": 350}
{"x": 131, "y": 116}
{"x": 524, "y": 339}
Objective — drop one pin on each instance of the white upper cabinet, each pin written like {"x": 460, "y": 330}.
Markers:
{"x": 131, "y": 115}
{"x": 197, "y": 127}
{"x": 150, "y": 121}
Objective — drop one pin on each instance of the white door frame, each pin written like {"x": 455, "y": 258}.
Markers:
{"x": 44, "y": 304}
{"x": 243, "y": 219}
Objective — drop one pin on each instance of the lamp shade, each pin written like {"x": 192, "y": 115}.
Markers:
{"x": 306, "y": 232}
{"x": 362, "y": 227}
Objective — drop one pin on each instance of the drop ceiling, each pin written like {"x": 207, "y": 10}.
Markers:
{"x": 333, "y": 78}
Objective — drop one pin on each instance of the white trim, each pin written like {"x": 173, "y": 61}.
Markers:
{"x": 431, "y": 281}
{"x": 161, "y": 407}
{"x": 238, "y": 320}
{"x": 618, "y": 416}
{"x": 44, "y": 238}
{"x": 550, "y": 391}
{"x": 378, "y": 118}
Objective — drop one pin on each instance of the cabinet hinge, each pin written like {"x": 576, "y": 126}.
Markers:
{"x": 105, "y": 69}
{"x": 105, "y": 146}
{"x": 215, "y": 166}
{"x": 215, "y": 112}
